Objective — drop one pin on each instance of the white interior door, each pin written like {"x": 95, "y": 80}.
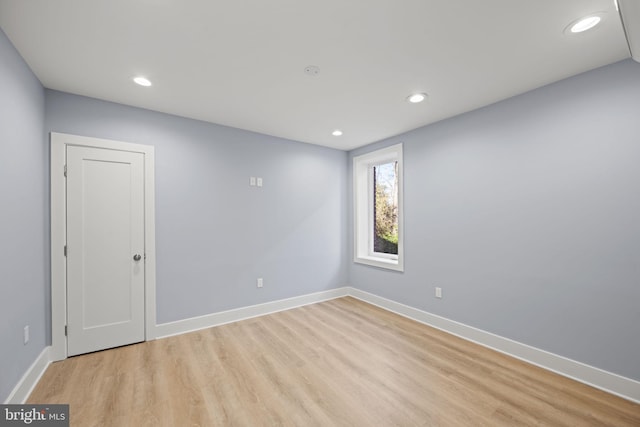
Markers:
{"x": 105, "y": 249}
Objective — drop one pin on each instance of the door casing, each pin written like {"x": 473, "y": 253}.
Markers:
{"x": 59, "y": 143}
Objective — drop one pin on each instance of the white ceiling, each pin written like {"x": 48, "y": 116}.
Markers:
{"x": 241, "y": 62}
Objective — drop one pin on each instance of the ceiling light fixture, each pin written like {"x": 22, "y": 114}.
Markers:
{"x": 584, "y": 24}
{"x": 336, "y": 132}
{"x": 142, "y": 81}
{"x": 417, "y": 97}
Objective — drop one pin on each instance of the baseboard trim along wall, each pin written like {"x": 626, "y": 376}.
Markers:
{"x": 25, "y": 386}
{"x": 215, "y": 319}
{"x": 611, "y": 383}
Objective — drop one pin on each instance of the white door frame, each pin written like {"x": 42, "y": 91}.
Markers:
{"x": 59, "y": 143}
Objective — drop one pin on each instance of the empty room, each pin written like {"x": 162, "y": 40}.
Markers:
{"x": 337, "y": 213}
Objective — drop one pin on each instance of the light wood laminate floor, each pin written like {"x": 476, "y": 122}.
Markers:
{"x": 337, "y": 363}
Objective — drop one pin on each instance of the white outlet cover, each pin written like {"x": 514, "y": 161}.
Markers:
{"x": 259, "y": 182}
{"x": 252, "y": 181}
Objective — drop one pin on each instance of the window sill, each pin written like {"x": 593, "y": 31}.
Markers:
{"x": 386, "y": 263}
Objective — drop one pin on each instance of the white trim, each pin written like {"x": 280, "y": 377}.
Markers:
{"x": 630, "y": 16}
{"x": 363, "y": 213}
{"x": 607, "y": 381}
{"x": 216, "y": 319}
{"x": 150, "y": 244}
{"x": 59, "y": 142}
{"x": 58, "y": 240}
{"x": 25, "y": 386}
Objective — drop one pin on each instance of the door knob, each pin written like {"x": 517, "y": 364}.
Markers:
{"x": 137, "y": 257}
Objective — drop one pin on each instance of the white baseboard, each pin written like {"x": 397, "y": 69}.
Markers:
{"x": 25, "y": 386}
{"x": 23, "y": 389}
{"x": 612, "y": 383}
{"x": 215, "y": 319}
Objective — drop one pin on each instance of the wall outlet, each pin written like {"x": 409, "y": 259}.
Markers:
{"x": 259, "y": 182}
{"x": 252, "y": 181}
{"x": 26, "y": 334}
{"x": 259, "y": 282}
{"x": 438, "y": 292}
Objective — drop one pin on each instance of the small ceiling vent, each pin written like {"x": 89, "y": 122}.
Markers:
{"x": 312, "y": 70}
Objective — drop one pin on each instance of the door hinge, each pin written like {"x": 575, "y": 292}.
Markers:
{"x": 65, "y": 171}
{"x": 65, "y": 250}
{"x": 65, "y": 330}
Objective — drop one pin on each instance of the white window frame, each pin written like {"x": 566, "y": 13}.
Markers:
{"x": 363, "y": 209}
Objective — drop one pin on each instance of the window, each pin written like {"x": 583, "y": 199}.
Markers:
{"x": 377, "y": 178}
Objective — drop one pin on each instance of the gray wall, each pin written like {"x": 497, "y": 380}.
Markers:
{"x": 216, "y": 234}
{"x": 527, "y": 214}
{"x": 24, "y": 255}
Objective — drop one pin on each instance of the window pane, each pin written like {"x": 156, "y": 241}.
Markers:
{"x": 385, "y": 209}
{"x": 377, "y": 197}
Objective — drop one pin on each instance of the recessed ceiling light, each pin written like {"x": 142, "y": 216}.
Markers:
{"x": 584, "y": 24}
{"x": 417, "y": 97}
{"x": 142, "y": 81}
{"x": 336, "y": 132}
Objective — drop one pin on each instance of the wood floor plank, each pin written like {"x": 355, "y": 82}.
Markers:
{"x": 338, "y": 363}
